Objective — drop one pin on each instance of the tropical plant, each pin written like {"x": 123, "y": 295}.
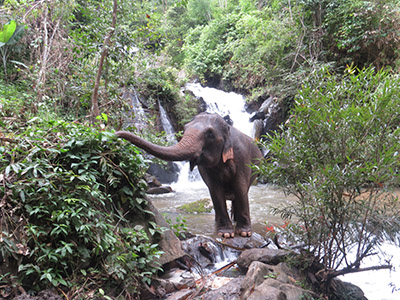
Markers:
{"x": 338, "y": 154}
{"x": 70, "y": 193}
{"x": 9, "y": 36}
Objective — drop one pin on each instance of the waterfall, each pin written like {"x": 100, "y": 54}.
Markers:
{"x": 139, "y": 116}
{"x": 224, "y": 104}
{"x": 166, "y": 124}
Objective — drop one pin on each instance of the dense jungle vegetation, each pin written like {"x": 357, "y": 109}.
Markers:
{"x": 69, "y": 190}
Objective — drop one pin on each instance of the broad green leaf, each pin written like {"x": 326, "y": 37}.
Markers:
{"x": 18, "y": 33}
{"x": 7, "y": 32}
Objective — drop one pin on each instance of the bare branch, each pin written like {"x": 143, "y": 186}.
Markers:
{"x": 356, "y": 270}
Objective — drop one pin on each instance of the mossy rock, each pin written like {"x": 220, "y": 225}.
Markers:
{"x": 199, "y": 206}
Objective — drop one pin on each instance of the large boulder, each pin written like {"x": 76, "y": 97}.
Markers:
{"x": 169, "y": 243}
{"x": 165, "y": 174}
{"x": 264, "y": 255}
{"x": 229, "y": 291}
{"x": 273, "y": 282}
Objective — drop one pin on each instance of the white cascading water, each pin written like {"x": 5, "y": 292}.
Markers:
{"x": 166, "y": 124}
{"x": 139, "y": 118}
{"x": 188, "y": 177}
{"x": 224, "y": 104}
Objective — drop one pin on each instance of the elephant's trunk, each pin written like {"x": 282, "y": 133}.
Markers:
{"x": 188, "y": 147}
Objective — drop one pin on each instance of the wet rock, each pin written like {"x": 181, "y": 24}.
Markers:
{"x": 290, "y": 291}
{"x": 255, "y": 104}
{"x": 152, "y": 181}
{"x": 265, "y": 106}
{"x": 229, "y": 291}
{"x": 172, "y": 281}
{"x": 216, "y": 282}
{"x": 257, "y": 116}
{"x": 206, "y": 251}
{"x": 346, "y": 290}
{"x": 238, "y": 242}
{"x": 159, "y": 190}
{"x": 155, "y": 187}
{"x": 266, "y": 292}
{"x": 165, "y": 174}
{"x": 279, "y": 281}
{"x": 286, "y": 274}
{"x": 265, "y": 255}
{"x": 258, "y": 126}
{"x": 277, "y": 114}
{"x": 254, "y": 277}
{"x": 181, "y": 295}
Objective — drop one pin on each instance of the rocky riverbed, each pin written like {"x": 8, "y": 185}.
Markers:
{"x": 240, "y": 268}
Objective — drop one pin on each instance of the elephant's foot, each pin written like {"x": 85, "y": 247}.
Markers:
{"x": 244, "y": 231}
{"x": 225, "y": 233}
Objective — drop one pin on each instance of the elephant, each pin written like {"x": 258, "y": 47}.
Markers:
{"x": 224, "y": 156}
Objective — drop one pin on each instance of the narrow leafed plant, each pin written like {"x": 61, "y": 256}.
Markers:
{"x": 72, "y": 196}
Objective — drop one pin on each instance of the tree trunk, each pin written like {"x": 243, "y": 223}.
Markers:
{"x": 47, "y": 44}
{"x": 95, "y": 102}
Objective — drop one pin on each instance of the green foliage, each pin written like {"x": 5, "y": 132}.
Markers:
{"x": 262, "y": 54}
{"x": 199, "y": 12}
{"x": 251, "y": 49}
{"x": 175, "y": 27}
{"x": 207, "y": 48}
{"x": 360, "y": 32}
{"x": 179, "y": 227}
{"x": 70, "y": 193}
{"x": 159, "y": 85}
{"x": 9, "y": 36}
{"x": 339, "y": 156}
{"x": 14, "y": 99}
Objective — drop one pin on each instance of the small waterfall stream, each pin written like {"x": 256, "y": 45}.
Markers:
{"x": 139, "y": 117}
{"x": 166, "y": 124}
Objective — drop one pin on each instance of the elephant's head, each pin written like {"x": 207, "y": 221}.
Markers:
{"x": 206, "y": 141}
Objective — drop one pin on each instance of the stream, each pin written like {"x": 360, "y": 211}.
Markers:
{"x": 375, "y": 284}
{"x": 263, "y": 197}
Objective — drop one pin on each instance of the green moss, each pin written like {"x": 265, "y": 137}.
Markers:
{"x": 200, "y": 206}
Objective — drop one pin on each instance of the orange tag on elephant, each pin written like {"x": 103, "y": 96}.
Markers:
{"x": 227, "y": 155}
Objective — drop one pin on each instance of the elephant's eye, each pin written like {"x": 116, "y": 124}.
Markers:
{"x": 209, "y": 134}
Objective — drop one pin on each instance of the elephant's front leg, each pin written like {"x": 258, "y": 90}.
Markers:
{"x": 223, "y": 223}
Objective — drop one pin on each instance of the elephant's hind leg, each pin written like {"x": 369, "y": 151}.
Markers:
{"x": 241, "y": 212}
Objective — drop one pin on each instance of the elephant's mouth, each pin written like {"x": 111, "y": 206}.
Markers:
{"x": 194, "y": 162}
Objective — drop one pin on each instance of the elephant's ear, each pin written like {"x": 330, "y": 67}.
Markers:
{"x": 228, "y": 151}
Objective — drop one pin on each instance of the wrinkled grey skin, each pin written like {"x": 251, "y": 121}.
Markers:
{"x": 223, "y": 155}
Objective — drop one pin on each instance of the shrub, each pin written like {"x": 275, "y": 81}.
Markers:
{"x": 363, "y": 32}
{"x": 71, "y": 193}
{"x": 339, "y": 156}
{"x": 207, "y": 47}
